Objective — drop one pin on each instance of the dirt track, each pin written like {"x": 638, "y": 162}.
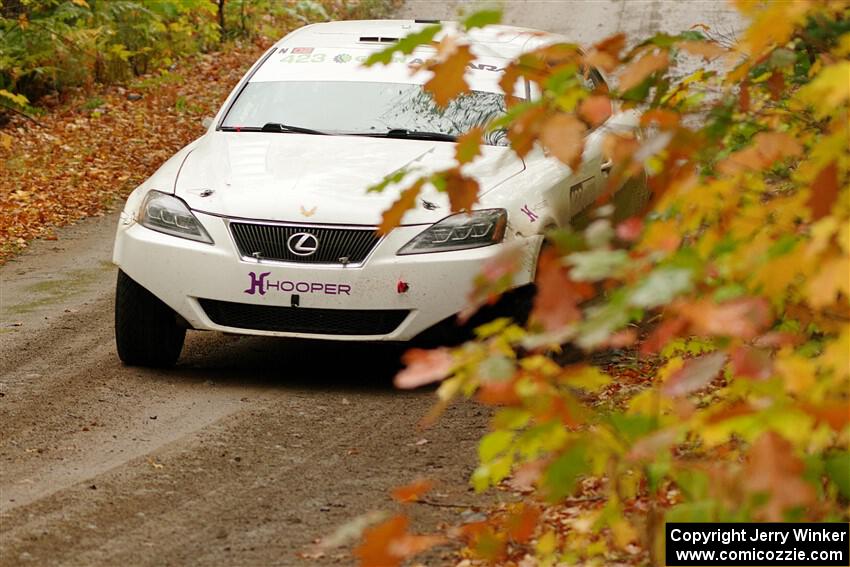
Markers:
{"x": 251, "y": 448}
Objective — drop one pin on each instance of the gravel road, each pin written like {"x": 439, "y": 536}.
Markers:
{"x": 251, "y": 448}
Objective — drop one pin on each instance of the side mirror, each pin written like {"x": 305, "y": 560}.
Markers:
{"x": 207, "y": 122}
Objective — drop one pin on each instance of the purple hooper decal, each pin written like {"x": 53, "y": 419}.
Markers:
{"x": 260, "y": 284}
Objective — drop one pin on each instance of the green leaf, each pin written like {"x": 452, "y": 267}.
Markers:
{"x": 511, "y": 418}
{"x": 597, "y": 264}
{"x": 390, "y": 179}
{"x": 482, "y": 18}
{"x": 655, "y": 473}
{"x": 838, "y": 470}
{"x": 561, "y": 476}
{"x": 632, "y": 427}
{"x": 701, "y": 511}
{"x": 493, "y": 444}
{"x": 660, "y": 287}
{"x": 405, "y": 45}
{"x": 18, "y": 99}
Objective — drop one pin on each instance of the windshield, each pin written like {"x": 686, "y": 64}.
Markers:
{"x": 367, "y": 108}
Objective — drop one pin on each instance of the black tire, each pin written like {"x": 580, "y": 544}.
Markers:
{"x": 146, "y": 329}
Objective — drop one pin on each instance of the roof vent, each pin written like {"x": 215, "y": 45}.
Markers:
{"x": 376, "y": 39}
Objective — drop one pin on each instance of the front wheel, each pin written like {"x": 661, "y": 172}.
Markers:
{"x": 146, "y": 329}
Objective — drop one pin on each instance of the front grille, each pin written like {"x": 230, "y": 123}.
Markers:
{"x": 303, "y": 319}
{"x": 333, "y": 245}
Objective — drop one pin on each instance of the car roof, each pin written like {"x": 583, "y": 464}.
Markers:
{"x": 498, "y": 41}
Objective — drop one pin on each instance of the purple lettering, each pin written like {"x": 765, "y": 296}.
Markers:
{"x": 330, "y": 289}
{"x": 286, "y": 285}
{"x": 257, "y": 283}
{"x": 344, "y": 288}
{"x": 302, "y": 287}
{"x": 314, "y": 287}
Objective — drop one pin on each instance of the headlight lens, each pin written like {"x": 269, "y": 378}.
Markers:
{"x": 166, "y": 213}
{"x": 460, "y": 232}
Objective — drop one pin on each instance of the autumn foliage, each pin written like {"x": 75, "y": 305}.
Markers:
{"x": 714, "y": 381}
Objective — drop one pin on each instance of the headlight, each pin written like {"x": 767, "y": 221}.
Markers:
{"x": 459, "y": 232}
{"x": 166, "y": 213}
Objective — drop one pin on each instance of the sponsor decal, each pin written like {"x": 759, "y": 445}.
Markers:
{"x": 260, "y": 284}
{"x": 302, "y": 50}
{"x": 342, "y": 58}
{"x": 308, "y": 212}
{"x": 532, "y": 216}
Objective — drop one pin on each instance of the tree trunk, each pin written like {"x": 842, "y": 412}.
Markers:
{"x": 221, "y": 18}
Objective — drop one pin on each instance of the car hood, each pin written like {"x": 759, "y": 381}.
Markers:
{"x": 321, "y": 179}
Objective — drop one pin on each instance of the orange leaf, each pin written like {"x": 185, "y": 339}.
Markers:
{"x": 413, "y": 491}
{"x": 469, "y": 146}
{"x": 824, "y": 191}
{"x": 374, "y": 550}
{"x": 424, "y": 367}
{"x": 448, "y": 82}
{"x": 406, "y": 201}
{"x": 498, "y": 394}
{"x": 612, "y": 45}
{"x": 767, "y": 148}
{"x": 462, "y": 190}
{"x": 776, "y": 85}
{"x": 605, "y": 54}
{"x": 744, "y": 318}
{"x": 388, "y": 544}
{"x": 557, "y": 299}
{"x": 666, "y": 119}
{"x": 525, "y": 130}
{"x": 705, "y": 49}
{"x": 563, "y": 136}
{"x": 640, "y": 69}
{"x": 663, "y": 334}
{"x": 595, "y": 109}
{"x": 749, "y": 362}
{"x": 775, "y": 470}
{"x": 834, "y": 414}
{"x": 695, "y": 375}
{"x": 744, "y": 97}
{"x": 522, "y": 523}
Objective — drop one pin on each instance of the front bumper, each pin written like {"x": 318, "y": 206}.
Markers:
{"x": 184, "y": 274}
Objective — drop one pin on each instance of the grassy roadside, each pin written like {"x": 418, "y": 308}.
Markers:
{"x": 95, "y": 146}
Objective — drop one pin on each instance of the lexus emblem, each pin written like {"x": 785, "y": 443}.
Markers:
{"x": 303, "y": 244}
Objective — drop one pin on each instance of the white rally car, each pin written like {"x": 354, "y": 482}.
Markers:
{"x": 264, "y": 226}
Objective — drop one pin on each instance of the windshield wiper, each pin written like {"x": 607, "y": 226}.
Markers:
{"x": 278, "y": 127}
{"x": 274, "y": 127}
{"x": 413, "y": 135}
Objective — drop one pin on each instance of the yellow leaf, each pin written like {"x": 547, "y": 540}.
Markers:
{"x": 833, "y": 276}
{"x": 797, "y": 372}
{"x": 829, "y": 90}
{"x": 773, "y": 23}
{"x": 546, "y": 544}
{"x": 6, "y": 141}
{"x": 624, "y": 532}
{"x": 835, "y": 356}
